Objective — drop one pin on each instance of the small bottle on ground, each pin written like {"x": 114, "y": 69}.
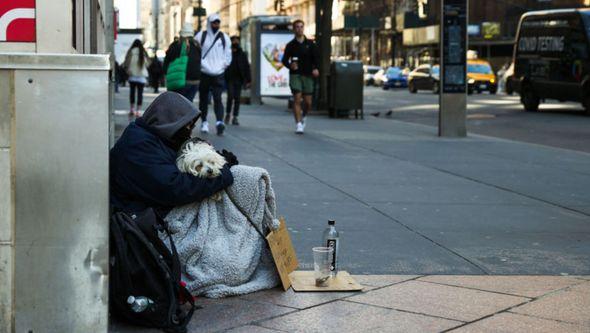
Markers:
{"x": 331, "y": 240}
{"x": 139, "y": 303}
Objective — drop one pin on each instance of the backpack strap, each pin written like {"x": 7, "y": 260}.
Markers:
{"x": 218, "y": 36}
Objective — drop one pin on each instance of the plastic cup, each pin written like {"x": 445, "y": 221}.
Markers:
{"x": 321, "y": 265}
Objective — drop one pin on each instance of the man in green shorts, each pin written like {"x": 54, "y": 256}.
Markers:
{"x": 302, "y": 59}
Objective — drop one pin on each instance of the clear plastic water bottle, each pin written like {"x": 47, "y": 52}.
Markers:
{"x": 331, "y": 240}
{"x": 139, "y": 303}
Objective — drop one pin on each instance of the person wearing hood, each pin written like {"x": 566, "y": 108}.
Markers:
{"x": 215, "y": 58}
{"x": 191, "y": 73}
{"x": 143, "y": 171}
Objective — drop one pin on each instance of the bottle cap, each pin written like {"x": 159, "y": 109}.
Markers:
{"x": 331, "y": 222}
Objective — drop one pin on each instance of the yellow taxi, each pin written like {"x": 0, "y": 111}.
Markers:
{"x": 480, "y": 77}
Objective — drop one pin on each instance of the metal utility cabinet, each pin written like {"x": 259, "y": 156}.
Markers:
{"x": 54, "y": 176}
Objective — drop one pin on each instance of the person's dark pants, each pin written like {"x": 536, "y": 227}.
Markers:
{"x": 215, "y": 84}
{"x": 133, "y": 87}
{"x": 234, "y": 93}
{"x": 156, "y": 85}
{"x": 189, "y": 91}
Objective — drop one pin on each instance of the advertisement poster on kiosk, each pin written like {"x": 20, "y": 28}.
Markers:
{"x": 274, "y": 77}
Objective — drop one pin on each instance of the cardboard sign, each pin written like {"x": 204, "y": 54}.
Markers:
{"x": 283, "y": 253}
{"x": 305, "y": 281}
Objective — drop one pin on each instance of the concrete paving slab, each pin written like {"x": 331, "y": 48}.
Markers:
{"x": 527, "y": 286}
{"x": 221, "y": 314}
{"x": 438, "y": 300}
{"x": 569, "y": 305}
{"x": 510, "y": 323}
{"x": 352, "y": 317}
{"x": 382, "y": 280}
{"x": 297, "y": 300}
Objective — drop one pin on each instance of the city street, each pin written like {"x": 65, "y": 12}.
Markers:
{"x": 558, "y": 124}
{"x": 408, "y": 202}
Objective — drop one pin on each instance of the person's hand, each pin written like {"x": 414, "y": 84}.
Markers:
{"x": 315, "y": 73}
{"x": 248, "y": 85}
{"x": 230, "y": 158}
{"x": 294, "y": 66}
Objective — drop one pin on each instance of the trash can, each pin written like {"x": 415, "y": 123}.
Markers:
{"x": 346, "y": 88}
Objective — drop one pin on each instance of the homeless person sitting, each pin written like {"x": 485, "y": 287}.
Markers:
{"x": 220, "y": 243}
{"x": 143, "y": 168}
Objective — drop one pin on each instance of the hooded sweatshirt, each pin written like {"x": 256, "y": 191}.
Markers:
{"x": 218, "y": 59}
{"x": 143, "y": 170}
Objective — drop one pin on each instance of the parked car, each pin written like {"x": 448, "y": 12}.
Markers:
{"x": 551, "y": 57}
{"x": 396, "y": 78}
{"x": 424, "y": 77}
{"x": 480, "y": 77}
{"x": 369, "y": 75}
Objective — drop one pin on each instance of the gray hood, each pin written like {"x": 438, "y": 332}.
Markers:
{"x": 168, "y": 113}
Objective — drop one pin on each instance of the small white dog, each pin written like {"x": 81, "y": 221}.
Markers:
{"x": 200, "y": 159}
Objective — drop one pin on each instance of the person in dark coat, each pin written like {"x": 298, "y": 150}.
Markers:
{"x": 143, "y": 170}
{"x": 237, "y": 75}
{"x": 193, "y": 69}
{"x": 155, "y": 73}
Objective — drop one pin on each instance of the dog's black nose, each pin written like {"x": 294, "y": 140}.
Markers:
{"x": 209, "y": 171}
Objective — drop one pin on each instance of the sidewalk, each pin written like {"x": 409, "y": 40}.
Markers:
{"x": 509, "y": 222}
{"x": 402, "y": 303}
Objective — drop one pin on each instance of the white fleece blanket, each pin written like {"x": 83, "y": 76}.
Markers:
{"x": 220, "y": 252}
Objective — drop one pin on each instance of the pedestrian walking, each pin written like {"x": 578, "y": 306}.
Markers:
{"x": 237, "y": 75}
{"x": 182, "y": 64}
{"x": 136, "y": 64}
{"x": 215, "y": 58}
{"x": 155, "y": 72}
{"x": 301, "y": 56}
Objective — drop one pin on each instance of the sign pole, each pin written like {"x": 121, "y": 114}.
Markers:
{"x": 453, "y": 69}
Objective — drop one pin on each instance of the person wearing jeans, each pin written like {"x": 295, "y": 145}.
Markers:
{"x": 215, "y": 58}
{"x": 136, "y": 64}
{"x": 236, "y": 76}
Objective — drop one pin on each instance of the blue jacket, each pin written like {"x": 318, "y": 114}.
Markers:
{"x": 143, "y": 170}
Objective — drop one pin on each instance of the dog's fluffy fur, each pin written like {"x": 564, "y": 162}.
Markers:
{"x": 200, "y": 159}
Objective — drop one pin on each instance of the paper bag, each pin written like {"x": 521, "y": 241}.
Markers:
{"x": 283, "y": 253}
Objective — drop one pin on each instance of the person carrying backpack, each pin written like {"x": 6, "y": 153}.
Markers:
{"x": 182, "y": 64}
{"x": 215, "y": 58}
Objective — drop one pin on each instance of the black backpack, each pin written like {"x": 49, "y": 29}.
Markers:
{"x": 141, "y": 266}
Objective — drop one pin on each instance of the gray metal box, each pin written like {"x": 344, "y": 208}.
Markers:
{"x": 54, "y": 150}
